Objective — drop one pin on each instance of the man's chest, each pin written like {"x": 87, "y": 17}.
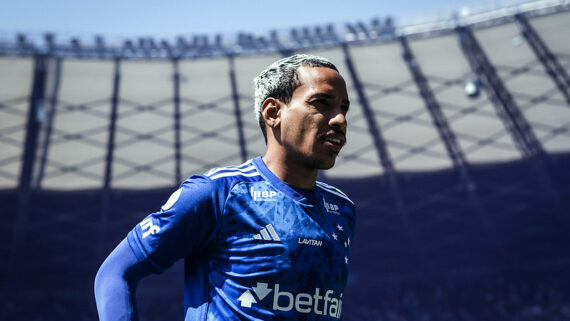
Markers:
{"x": 263, "y": 231}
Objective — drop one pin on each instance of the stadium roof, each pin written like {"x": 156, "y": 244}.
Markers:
{"x": 74, "y": 121}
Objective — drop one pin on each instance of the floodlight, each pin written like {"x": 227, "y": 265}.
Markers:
{"x": 375, "y": 23}
{"x": 306, "y": 33}
{"x": 262, "y": 41}
{"x": 245, "y": 39}
{"x": 318, "y": 31}
{"x": 21, "y": 38}
{"x": 49, "y": 39}
{"x": 75, "y": 43}
{"x": 195, "y": 41}
{"x": 99, "y": 42}
{"x": 219, "y": 42}
{"x": 274, "y": 36}
{"x": 128, "y": 45}
{"x": 472, "y": 88}
{"x": 181, "y": 42}
{"x": 294, "y": 34}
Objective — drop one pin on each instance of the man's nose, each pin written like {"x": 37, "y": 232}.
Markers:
{"x": 338, "y": 121}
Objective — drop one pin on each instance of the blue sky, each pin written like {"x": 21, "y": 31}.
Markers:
{"x": 170, "y": 18}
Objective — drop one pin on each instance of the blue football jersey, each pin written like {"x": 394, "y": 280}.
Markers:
{"x": 254, "y": 247}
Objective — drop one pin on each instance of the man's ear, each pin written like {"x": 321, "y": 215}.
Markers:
{"x": 271, "y": 112}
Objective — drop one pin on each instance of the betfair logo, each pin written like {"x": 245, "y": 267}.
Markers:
{"x": 150, "y": 228}
{"x": 330, "y": 207}
{"x": 262, "y": 195}
{"x": 316, "y": 303}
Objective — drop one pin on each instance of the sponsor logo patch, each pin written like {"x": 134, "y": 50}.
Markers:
{"x": 319, "y": 303}
{"x": 148, "y": 227}
{"x": 331, "y": 207}
{"x": 259, "y": 195}
{"x": 312, "y": 242}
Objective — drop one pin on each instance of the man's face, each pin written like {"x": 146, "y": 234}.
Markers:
{"x": 313, "y": 124}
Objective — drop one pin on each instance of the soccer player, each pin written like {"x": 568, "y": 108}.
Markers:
{"x": 263, "y": 240}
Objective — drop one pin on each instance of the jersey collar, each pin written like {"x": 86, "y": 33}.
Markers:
{"x": 298, "y": 194}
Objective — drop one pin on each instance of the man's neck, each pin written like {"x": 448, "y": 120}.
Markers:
{"x": 291, "y": 172}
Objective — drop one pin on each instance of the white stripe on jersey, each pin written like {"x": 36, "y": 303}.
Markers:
{"x": 234, "y": 173}
{"x": 243, "y": 170}
{"x": 230, "y": 168}
{"x": 334, "y": 190}
{"x": 225, "y": 169}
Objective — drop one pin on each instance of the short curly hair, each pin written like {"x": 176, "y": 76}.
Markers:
{"x": 280, "y": 80}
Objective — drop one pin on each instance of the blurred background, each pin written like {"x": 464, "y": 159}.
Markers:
{"x": 458, "y": 153}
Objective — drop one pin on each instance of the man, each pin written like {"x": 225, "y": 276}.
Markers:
{"x": 263, "y": 240}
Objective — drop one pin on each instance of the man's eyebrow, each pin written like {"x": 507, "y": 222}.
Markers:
{"x": 329, "y": 96}
{"x": 322, "y": 95}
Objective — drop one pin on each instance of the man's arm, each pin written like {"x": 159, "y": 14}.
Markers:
{"x": 185, "y": 224}
{"x": 116, "y": 282}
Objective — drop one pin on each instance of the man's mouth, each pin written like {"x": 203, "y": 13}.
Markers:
{"x": 334, "y": 140}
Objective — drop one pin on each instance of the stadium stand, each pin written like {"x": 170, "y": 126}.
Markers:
{"x": 458, "y": 158}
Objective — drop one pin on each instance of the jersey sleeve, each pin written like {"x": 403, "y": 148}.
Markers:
{"x": 185, "y": 224}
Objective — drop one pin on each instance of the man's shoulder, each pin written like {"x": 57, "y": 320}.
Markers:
{"x": 214, "y": 184}
{"x": 333, "y": 191}
{"x": 228, "y": 175}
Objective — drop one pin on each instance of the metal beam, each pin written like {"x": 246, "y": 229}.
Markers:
{"x": 385, "y": 159}
{"x": 36, "y": 105}
{"x": 379, "y": 142}
{"x": 106, "y": 192}
{"x": 506, "y": 107}
{"x": 508, "y": 111}
{"x": 448, "y": 137}
{"x": 112, "y": 125}
{"x": 546, "y": 57}
{"x": 177, "y": 127}
{"x": 237, "y": 109}
{"x": 439, "y": 120}
{"x": 51, "y": 112}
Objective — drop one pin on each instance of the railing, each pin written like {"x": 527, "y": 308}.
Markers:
{"x": 298, "y": 39}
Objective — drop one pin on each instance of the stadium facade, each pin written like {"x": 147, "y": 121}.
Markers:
{"x": 457, "y": 157}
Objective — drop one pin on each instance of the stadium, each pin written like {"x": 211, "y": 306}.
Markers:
{"x": 458, "y": 159}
